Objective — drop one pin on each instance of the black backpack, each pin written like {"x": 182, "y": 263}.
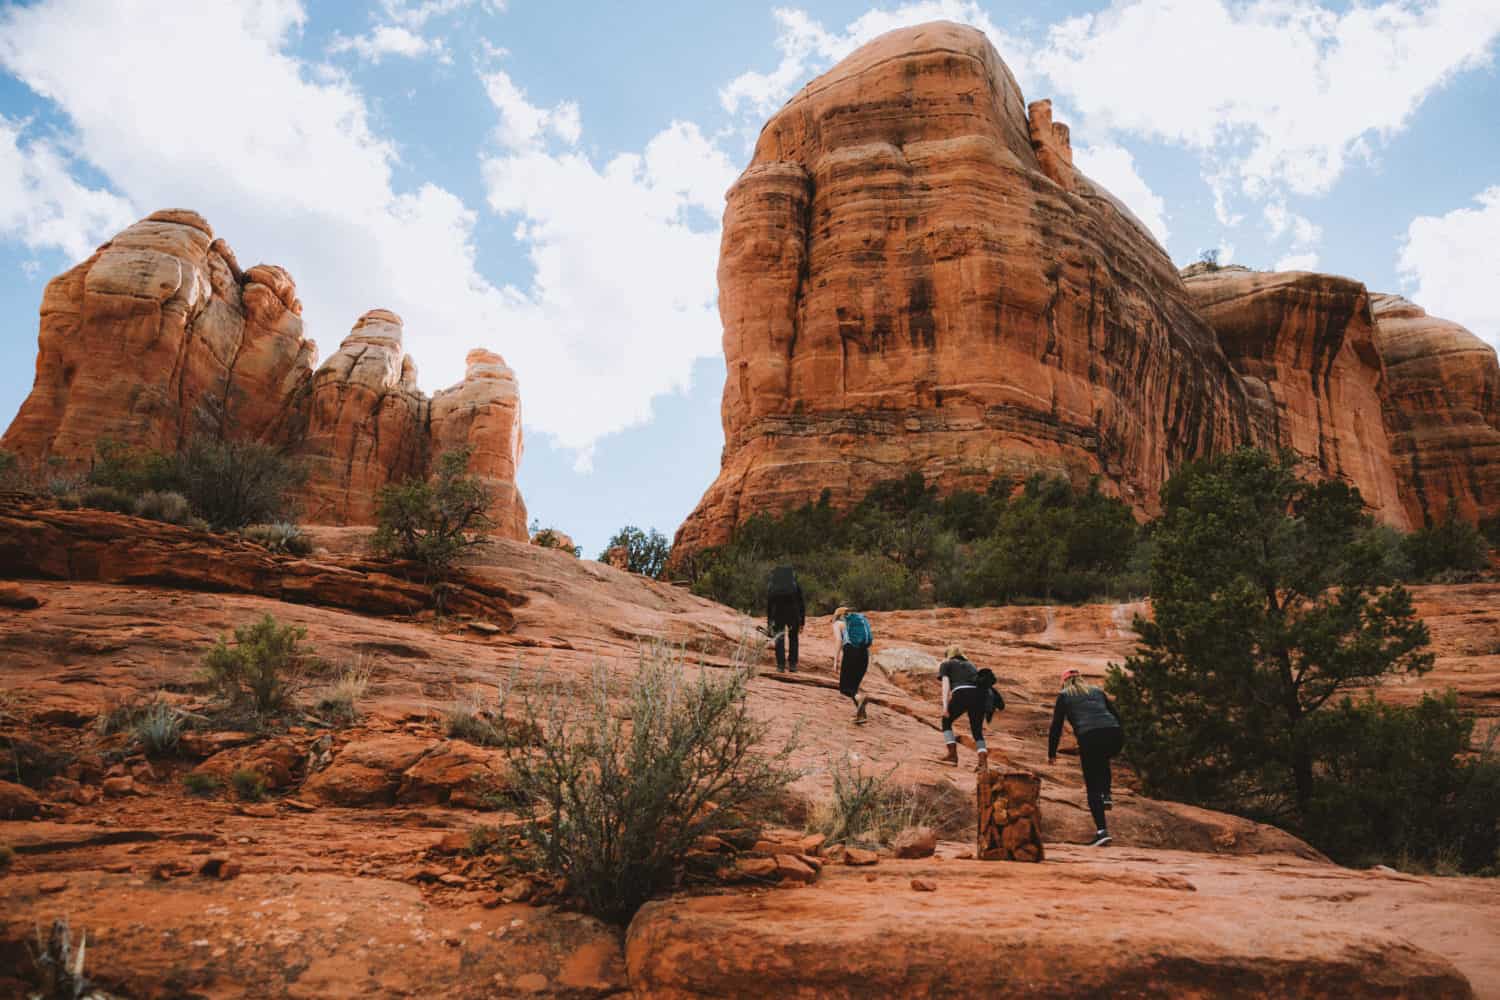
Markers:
{"x": 783, "y": 583}
{"x": 985, "y": 680}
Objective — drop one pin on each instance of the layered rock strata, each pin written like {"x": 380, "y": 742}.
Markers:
{"x": 160, "y": 336}
{"x": 1442, "y": 407}
{"x": 1304, "y": 345}
{"x": 913, "y": 276}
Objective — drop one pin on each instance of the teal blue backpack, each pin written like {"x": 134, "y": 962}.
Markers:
{"x": 857, "y": 630}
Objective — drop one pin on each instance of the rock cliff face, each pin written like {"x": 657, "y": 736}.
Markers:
{"x": 1304, "y": 345}
{"x": 1442, "y": 407}
{"x": 160, "y": 336}
{"x": 913, "y": 276}
{"x": 153, "y": 337}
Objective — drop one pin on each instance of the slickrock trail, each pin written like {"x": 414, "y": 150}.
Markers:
{"x": 352, "y": 879}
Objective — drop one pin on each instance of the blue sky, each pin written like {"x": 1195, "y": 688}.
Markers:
{"x": 546, "y": 179}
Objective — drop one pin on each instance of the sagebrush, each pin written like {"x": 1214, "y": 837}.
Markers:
{"x": 264, "y": 666}
{"x": 616, "y": 794}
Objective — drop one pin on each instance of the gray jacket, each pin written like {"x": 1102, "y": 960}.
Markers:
{"x": 1087, "y": 712}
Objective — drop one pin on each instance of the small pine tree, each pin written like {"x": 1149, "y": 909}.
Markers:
{"x": 646, "y": 553}
{"x": 1265, "y": 607}
{"x": 434, "y": 522}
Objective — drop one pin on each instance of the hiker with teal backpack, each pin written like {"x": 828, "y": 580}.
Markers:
{"x": 851, "y": 636}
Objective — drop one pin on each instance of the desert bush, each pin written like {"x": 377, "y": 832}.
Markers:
{"x": 484, "y": 839}
{"x": 614, "y": 806}
{"x": 199, "y": 783}
{"x": 107, "y": 498}
{"x": 231, "y": 484}
{"x": 262, "y": 669}
{"x": 280, "y": 537}
{"x": 1450, "y": 549}
{"x": 248, "y": 784}
{"x": 646, "y": 552}
{"x": 157, "y": 729}
{"x": 64, "y": 488}
{"x": 30, "y": 763}
{"x": 434, "y": 522}
{"x": 1399, "y": 785}
{"x": 340, "y": 699}
{"x": 903, "y": 546}
{"x": 59, "y": 966}
{"x": 132, "y": 471}
{"x": 169, "y": 508}
{"x": 469, "y": 718}
{"x": 551, "y": 538}
{"x": 867, "y": 809}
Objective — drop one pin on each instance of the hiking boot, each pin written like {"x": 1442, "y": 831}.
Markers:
{"x": 952, "y": 756}
{"x": 782, "y": 670}
{"x": 984, "y": 762}
{"x": 794, "y": 668}
{"x": 860, "y": 704}
{"x": 1101, "y": 839}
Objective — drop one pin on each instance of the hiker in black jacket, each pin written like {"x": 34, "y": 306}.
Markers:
{"x": 1096, "y": 724}
{"x": 967, "y": 690}
{"x": 786, "y": 610}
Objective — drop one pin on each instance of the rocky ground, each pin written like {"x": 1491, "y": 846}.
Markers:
{"x": 358, "y": 874}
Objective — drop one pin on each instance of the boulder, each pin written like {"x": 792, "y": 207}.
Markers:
{"x": 367, "y": 771}
{"x": 278, "y": 761}
{"x": 456, "y": 773}
{"x": 915, "y": 842}
{"x": 18, "y": 801}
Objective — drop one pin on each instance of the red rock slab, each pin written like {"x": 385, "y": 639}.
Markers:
{"x": 1123, "y": 924}
{"x": 308, "y": 936}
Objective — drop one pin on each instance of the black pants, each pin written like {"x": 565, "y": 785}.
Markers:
{"x": 786, "y": 643}
{"x": 974, "y": 702}
{"x": 856, "y": 660}
{"x": 1095, "y": 748}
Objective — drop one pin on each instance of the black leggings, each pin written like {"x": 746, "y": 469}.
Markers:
{"x": 1095, "y": 748}
{"x": 856, "y": 660}
{"x": 975, "y": 702}
{"x": 786, "y": 643}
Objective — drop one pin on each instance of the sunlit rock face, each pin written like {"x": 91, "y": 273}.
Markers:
{"x": 913, "y": 276}
{"x": 1442, "y": 407}
{"x": 1305, "y": 346}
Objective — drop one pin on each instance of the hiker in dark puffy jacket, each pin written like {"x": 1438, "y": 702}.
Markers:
{"x": 1096, "y": 724}
{"x": 786, "y": 610}
{"x": 967, "y": 690}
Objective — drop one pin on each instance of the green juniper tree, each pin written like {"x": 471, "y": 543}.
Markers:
{"x": 1267, "y": 602}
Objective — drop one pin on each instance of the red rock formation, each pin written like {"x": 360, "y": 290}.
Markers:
{"x": 913, "y": 277}
{"x": 160, "y": 335}
{"x": 484, "y": 412}
{"x": 1305, "y": 346}
{"x": 144, "y": 342}
{"x": 366, "y": 423}
{"x": 1443, "y": 412}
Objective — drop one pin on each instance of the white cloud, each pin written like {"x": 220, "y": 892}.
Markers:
{"x": 622, "y": 300}
{"x": 1453, "y": 267}
{"x": 44, "y": 208}
{"x": 1298, "y": 262}
{"x": 523, "y": 124}
{"x": 1276, "y": 94}
{"x": 807, "y": 48}
{"x": 388, "y": 40}
{"x": 1114, "y": 168}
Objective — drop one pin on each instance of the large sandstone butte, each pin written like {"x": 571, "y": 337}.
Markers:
{"x": 1442, "y": 407}
{"x": 1304, "y": 345}
{"x": 160, "y": 336}
{"x": 914, "y": 276}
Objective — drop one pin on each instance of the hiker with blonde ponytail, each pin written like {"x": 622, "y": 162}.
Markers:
{"x": 1100, "y": 735}
{"x": 967, "y": 690}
